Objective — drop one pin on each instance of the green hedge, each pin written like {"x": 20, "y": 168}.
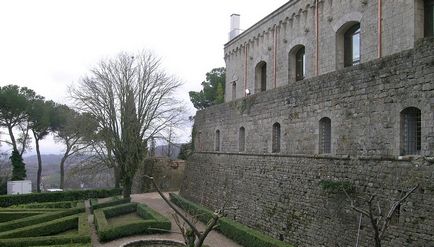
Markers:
{"x": 38, "y": 205}
{"x": 43, "y": 229}
{"x": 152, "y": 222}
{"x": 73, "y": 195}
{"x": 82, "y": 238}
{"x": 37, "y": 219}
{"x": 238, "y": 232}
{"x": 95, "y": 205}
{"x": 9, "y": 216}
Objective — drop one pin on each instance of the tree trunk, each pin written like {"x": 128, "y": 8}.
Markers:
{"x": 127, "y": 184}
{"x": 38, "y": 154}
{"x": 62, "y": 171}
{"x": 117, "y": 176}
{"x": 11, "y": 135}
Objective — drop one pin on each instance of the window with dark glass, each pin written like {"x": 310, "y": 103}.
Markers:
{"x": 352, "y": 46}
{"x": 300, "y": 64}
{"x": 325, "y": 135}
{"x": 275, "y": 146}
{"x": 410, "y": 131}
{"x": 217, "y": 140}
{"x": 242, "y": 139}
{"x": 261, "y": 77}
{"x": 429, "y": 18}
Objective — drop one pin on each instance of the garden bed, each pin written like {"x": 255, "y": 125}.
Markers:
{"x": 149, "y": 221}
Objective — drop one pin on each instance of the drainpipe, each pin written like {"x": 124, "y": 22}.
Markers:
{"x": 379, "y": 28}
{"x": 275, "y": 54}
{"x": 317, "y": 39}
{"x": 245, "y": 70}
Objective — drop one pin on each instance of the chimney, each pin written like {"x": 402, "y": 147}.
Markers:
{"x": 235, "y": 26}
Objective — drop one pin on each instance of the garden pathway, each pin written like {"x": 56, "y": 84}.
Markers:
{"x": 154, "y": 201}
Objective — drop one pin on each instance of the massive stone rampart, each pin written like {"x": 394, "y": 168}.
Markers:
{"x": 280, "y": 194}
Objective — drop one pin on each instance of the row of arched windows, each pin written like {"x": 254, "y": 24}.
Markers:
{"x": 410, "y": 134}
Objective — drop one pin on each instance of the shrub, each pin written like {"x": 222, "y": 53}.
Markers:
{"x": 95, "y": 205}
{"x": 73, "y": 195}
{"x": 238, "y": 232}
{"x": 37, "y": 219}
{"x": 43, "y": 229}
{"x": 9, "y": 216}
{"x": 151, "y": 222}
{"x": 61, "y": 204}
{"x": 80, "y": 239}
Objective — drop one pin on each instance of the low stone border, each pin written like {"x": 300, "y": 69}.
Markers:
{"x": 154, "y": 241}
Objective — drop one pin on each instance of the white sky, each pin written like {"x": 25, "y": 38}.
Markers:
{"x": 47, "y": 45}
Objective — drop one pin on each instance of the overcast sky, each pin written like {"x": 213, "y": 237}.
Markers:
{"x": 48, "y": 45}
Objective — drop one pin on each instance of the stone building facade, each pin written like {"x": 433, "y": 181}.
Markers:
{"x": 367, "y": 121}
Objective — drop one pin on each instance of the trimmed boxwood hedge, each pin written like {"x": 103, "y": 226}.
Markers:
{"x": 73, "y": 195}
{"x": 95, "y": 205}
{"x": 43, "y": 229}
{"x": 39, "y": 205}
{"x": 238, "y": 232}
{"x": 37, "y": 219}
{"x": 152, "y": 222}
{"x": 82, "y": 238}
{"x": 9, "y": 216}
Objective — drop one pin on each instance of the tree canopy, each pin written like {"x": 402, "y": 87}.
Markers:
{"x": 213, "y": 90}
{"x": 132, "y": 100}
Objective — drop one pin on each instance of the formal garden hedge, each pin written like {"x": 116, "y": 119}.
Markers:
{"x": 73, "y": 195}
{"x": 41, "y": 218}
{"x": 150, "y": 222}
{"x": 240, "y": 233}
{"x": 33, "y": 235}
{"x": 94, "y": 204}
{"x": 39, "y": 205}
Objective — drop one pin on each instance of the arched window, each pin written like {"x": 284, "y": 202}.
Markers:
{"x": 429, "y": 18}
{"x": 352, "y": 46}
{"x": 300, "y": 64}
{"x": 275, "y": 146}
{"x": 410, "y": 131}
{"x": 234, "y": 90}
{"x": 242, "y": 140}
{"x": 325, "y": 131}
{"x": 261, "y": 76}
{"x": 217, "y": 140}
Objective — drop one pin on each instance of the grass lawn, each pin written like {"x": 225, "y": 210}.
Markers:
{"x": 124, "y": 218}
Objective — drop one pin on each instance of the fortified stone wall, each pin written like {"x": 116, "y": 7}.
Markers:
{"x": 280, "y": 193}
{"x": 273, "y": 38}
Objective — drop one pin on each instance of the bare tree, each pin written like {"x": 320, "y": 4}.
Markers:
{"x": 192, "y": 236}
{"x": 378, "y": 220}
{"x": 132, "y": 100}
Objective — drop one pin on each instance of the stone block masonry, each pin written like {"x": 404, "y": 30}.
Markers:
{"x": 280, "y": 193}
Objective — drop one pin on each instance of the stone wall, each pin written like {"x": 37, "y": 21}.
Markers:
{"x": 273, "y": 38}
{"x": 280, "y": 193}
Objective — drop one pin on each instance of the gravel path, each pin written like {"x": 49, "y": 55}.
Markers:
{"x": 154, "y": 201}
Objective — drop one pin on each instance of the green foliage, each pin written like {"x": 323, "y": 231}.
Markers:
{"x": 73, "y": 195}
{"x": 151, "y": 222}
{"x": 239, "y": 233}
{"x": 18, "y": 166}
{"x": 213, "y": 90}
{"x": 43, "y": 229}
{"x": 38, "y": 219}
{"x": 9, "y": 216}
{"x": 82, "y": 238}
{"x": 336, "y": 186}
{"x": 61, "y": 204}
{"x": 95, "y": 205}
{"x": 185, "y": 151}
